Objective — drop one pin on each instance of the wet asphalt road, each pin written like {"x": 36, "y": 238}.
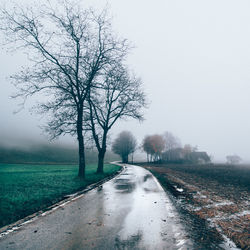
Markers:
{"x": 131, "y": 211}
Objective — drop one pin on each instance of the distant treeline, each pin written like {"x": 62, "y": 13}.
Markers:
{"x": 167, "y": 148}
{"x": 48, "y": 154}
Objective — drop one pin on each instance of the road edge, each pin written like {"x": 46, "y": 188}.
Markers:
{"x": 169, "y": 188}
{"x": 15, "y": 226}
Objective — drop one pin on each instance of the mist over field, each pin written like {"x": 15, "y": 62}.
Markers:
{"x": 124, "y": 124}
{"x": 193, "y": 59}
{"x": 48, "y": 153}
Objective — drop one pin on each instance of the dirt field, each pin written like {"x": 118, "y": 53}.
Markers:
{"x": 216, "y": 194}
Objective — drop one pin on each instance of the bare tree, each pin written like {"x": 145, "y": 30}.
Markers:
{"x": 119, "y": 96}
{"x": 171, "y": 142}
{"x": 124, "y": 145}
{"x": 70, "y": 49}
{"x": 233, "y": 159}
{"x": 154, "y": 145}
{"x": 147, "y": 147}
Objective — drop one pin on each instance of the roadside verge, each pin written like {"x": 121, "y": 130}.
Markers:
{"x": 65, "y": 200}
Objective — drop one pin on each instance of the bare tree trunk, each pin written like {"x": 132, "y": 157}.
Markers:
{"x": 82, "y": 165}
{"x": 81, "y": 171}
{"x": 125, "y": 158}
{"x": 100, "y": 167}
{"x": 101, "y": 153}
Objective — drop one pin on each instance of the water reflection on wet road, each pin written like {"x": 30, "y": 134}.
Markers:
{"x": 131, "y": 211}
{"x": 151, "y": 221}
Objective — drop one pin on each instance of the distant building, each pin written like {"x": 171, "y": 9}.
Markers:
{"x": 179, "y": 155}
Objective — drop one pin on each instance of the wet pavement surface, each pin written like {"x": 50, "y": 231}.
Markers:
{"x": 131, "y": 211}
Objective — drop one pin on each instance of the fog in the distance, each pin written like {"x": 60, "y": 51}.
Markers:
{"x": 194, "y": 59}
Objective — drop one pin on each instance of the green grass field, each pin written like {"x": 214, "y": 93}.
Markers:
{"x": 25, "y": 189}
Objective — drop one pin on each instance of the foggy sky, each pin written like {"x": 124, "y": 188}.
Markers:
{"x": 194, "y": 60}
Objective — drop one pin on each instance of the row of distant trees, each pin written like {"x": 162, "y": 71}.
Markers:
{"x": 155, "y": 145}
{"x": 77, "y": 71}
{"x": 159, "y": 148}
{"x": 163, "y": 148}
{"x": 167, "y": 148}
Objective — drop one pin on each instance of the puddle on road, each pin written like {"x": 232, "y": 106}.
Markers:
{"x": 152, "y": 222}
{"x": 124, "y": 185}
{"x": 146, "y": 177}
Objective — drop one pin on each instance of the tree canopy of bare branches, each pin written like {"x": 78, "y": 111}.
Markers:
{"x": 171, "y": 141}
{"x": 119, "y": 96}
{"x": 70, "y": 49}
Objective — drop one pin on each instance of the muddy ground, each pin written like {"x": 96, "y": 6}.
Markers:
{"x": 214, "y": 199}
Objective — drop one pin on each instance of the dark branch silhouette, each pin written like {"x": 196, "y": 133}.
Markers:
{"x": 118, "y": 96}
{"x": 69, "y": 49}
